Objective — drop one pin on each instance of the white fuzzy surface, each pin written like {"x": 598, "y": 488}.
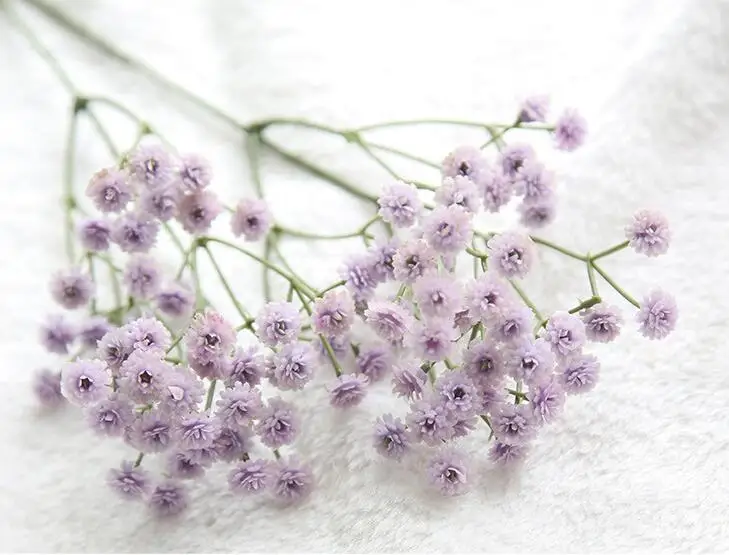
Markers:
{"x": 641, "y": 463}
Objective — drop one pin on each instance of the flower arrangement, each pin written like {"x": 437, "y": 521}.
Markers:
{"x": 433, "y": 302}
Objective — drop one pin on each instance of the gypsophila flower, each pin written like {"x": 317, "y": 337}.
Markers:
{"x": 134, "y": 232}
{"x": 513, "y": 157}
{"x": 657, "y": 315}
{"x": 648, "y": 233}
{"x": 278, "y": 322}
{"x": 496, "y": 190}
{"x": 115, "y": 347}
{"x": 194, "y": 172}
{"x": 72, "y": 289}
{"x": 448, "y": 472}
{"x": 246, "y": 367}
{"x": 390, "y": 437}
{"x": 546, "y": 399}
{"x": 110, "y": 416}
{"x": 230, "y": 444}
{"x": 429, "y": 421}
{"x": 151, "y": 432}
{"x": 533, "y": 181}
{"x": 180, "y": 465}
{"x": 464, "y": 426}
{"x": 565, "y": 333}
{"x": 530, "y": 360}
{"x": 252, "y": 476}
{"x": 570, "y": 130}
{"x": 109, "y": 190}
{"x": 510, "y": 322}
{"x": 374, "y": 362}
{"x": 278, "y": 424}
{"x": 293, "y": 366}
{"x": 340, "y": 347}
{"x": 458, "y": 394}
{"x": 382, "y": 255}
{"x": 399, "y": 204}
{"x": 491, "y": 398}
{"x": 333, "y": 313}
{"x": 483, "y": 363}
{"x": 209, "y": 337}
{"x": 414, "y": 259}
{"x": 348, "y": 390}
{"x": 204, "y": 456}
{"x": 151, "y": 165}
{"x": 438, "y": 295}
{"x": 57, "y": 333}
{"x": 533, "y": 109}
{"x": 458, "y": 190}
{"x": 447, "y": 229}
{"x": 511, "y": 254}
{"x": 486, "y": 295}
{"x": 160, "y": 203}
{"x": 85, "y": 382}
{"x": 292, "y": 481}
{"x": 508, "y": 454}
{"x": 195, "y": 431}
{"x": 513, "y": 423}
{"x": 215, "y": 368}
{"x": 94, "y": 235}
{"x": 239, "y": 406}
{"x": 467, "y": 161}
{"x": 196, "y": 211}
{"x": 602, "y": 322}
{"x": 47, "y": 388}
{"x": 168, "y": 499}
{"x": 389, "y": 320}
{"x": 358, "y": 271}
{"x": 539, "y": 213}
{"x": 143, "y": 376}
{"x": 433, "y": 339}
{"x": 251, "y": 219}
{"x": 93, "y": 330}
{"x": 148, "y": 334}
{"x": 174, "y": 300}
{"x": 579, "y": 373}
{"x": 142, "y": 277}
{"x": 463, "y": 320}
{"x": 129, "y": 481}
{"x": 181, "y": 392}
{"x": 408, "y": 380}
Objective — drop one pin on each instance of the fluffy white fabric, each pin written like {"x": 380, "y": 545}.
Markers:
{"x": 642, "y": 463}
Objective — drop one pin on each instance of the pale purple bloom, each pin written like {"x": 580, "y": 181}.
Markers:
{"x": 414, "y": 259}
{"x": 115, "y": 347}
{"x": 374, "y": 362}
{"x": 530, "y": 360}
{"x": 539, "y": 213}
{"x": 579, "y": 373}
{"x": 143, "y": 376}
{"x": 484, "y": 363}
{"x": 47, "y": 388}
{"x": 486, "y": 295}
{"x": 181, "y": 392}
{"x": 458, "y": 190}
{"x": 458, "y": 394}
{"x": 109, "y": 190}
{"x": 174, "y": 300}
{"x": 390, "y": 437}
{"x": 447, "y": 229}
{"x": 467, "y": 161}
{"x": 429, "y": 421}
{"x": 438, "y": 295}
{"x": 134, "y": 232}
{"x": 463, "y": 320}
{"x": 152, "y": 165}
{"x": 546, "y": 399}
{"x": 110, "y": 416}
{"x": 399, "y": 204}
{"x": 93, "y": 330}
{"x": 534, "y": 108}
{"x": 152, "y": 432}
{"x": 533, "y": 181}
{"x": 232, "y": 443}
{"x": 204, "y": 456}
{"x": 408, "y": 380}
{"x": 148, "y": 334}
{"x": 72, "y": 289}
{"x": 278, "y": 322}
{"x": 160, "y": 203}
{"x": 565, "y": 333}
{"x": 359, "y": 273}
{"x": 511, "y": 254}
{"x": 129, "y": 481}
{"x": 448, "y": 472}
{"x": 340, "y": 347}
{"x": 194, "y": 172}
{"x": 142, "y": 277}
{"x": 278, "y": 424}
{"x": 85, "y": 382}
{"x": 657, "y": 315}
{"x": 215, "y": 368}
{"x": 510, "y": 322}
{"x": 252, "y": 476}
{"x": 251, "y": 219}
{"x": 648, "y": 233}
{"x": 238, "y": 407}
{"x": 57, "y": 333}
{"x": 195, "y": 431}
{"x": 602, "y": 322}
{"x": 333, "y": 313}
{"x": 514, "y": 156}
{"x": 209, "y": 337}
{"x": 513, "y": 423}
{"x": 389, "y": 320}
{"x": 570, "y": 130}
{"x": 464, "y": 426}
{"x": 382, "y": 255}
{"x": 95, "y": 235}
{"x": 246, "y": 367}
{"x": 492, "y": 397}
{"x": 292, "y": 481}
{"x": 508, "y": 454}
{"x": 168, "y": 499}
{"x": 293, "y": 366}
{"x": 196, "y": 211}
{"x": 348, "y": 390}
{"x": 180, "y": 465}
{"x": 433, "y": 339}
{"x": 496, "y": 189}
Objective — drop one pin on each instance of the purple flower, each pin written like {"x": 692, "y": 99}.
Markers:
{"x": 181, "y": 392}
{"x": 151, "y": 432}
{"x": 168, "y": 499}
{"x": 383, "y": 254}
{"x": 198, "y": 210}
{"x": 85, "y": 382}
{"x": 408, "y": 380}
{"x": 160, "y": 203}
{"x": 486, "y": 295}
{"x": 333, "y": 313}
{"x": 94, "y": 235}
{"x": 513, "y": 423}
{"x": 194, "y": 173}
{"x": 151, "y": 165}
{"x": 278, "y": 322}
{"x": 93, "y": 330}
{"x": 570, "y": 130}
{"x": 546, "y": 399}
{"x": 109, "y": 190}
{"x": 579, "y": 373}
{"x": 174, "y": 300}
{"x": 459, "y": 191}
{"x": 252, "y": 476}
{"x": 414, "y": 259}
{"x": 251, "y": 219}
{"x": 180, "y": 465}
{"x": 142, "y": 277}
{"x": 232, "y": 443}
{"x": 134, "y": 232}
{"x": 458, "y": 394}
{"x": 657, "y": 315}
{"x": 72, "y": 289}
{"x": 447, "y": 229}
{"x": 57, "y": 334}
{"x": 292, "y": 481}
{"x": 47, "y": 388}
{"x": 511, "y": 253}
{"x": 438, "y": 295}
{"x": 215, "y": 368}
{"x": 246, "y": 367}
{"x": 467, "y": 161}
{"x": 129, "y": 481}
{"x": 209, "y": 337}
{"x": 391, "y": 438}
{"x": 539, "y": 213}
{"x": 143, "y": 376}
{"x": 529, "y": 360}
{"x": 648, "y": 233}
{"x": 514, "y": 156}
{"x": 491, "y": 398}
{"x": 115, "y": 347}
{"x": 448, "y": 472}
{"x": 389, "y": 320}
{"x": 602, "y": 322}
{"x": 433, "y": 339}
{"x": 484, "y": 364}
{"x": 533, "y": 181}
{"x": 374, "y": 362}
{"x": 497, "y": 190}
{"x": 464, "y": 426}
{"x": 534, "y": 108}
{"x": 510, "y": 322}
{"x": 110, "y": 416}
{"x": 358, "y": 271}
{"x": 340, "y": 347}
{"x": 293, "y": 366}
{"x": 238, "y": 407}
{"x": 565, "y": 333}
{"x": 430, "y": 422}
{"x": 278, "y": 424}
{"x": 348, "y": 390}
{"x": 462, "y": 320}
{"x": 399, "y": 204}
{"x": 195, "y": 431}
{"x": 507, "y": 454}
{"x": 148, "y": 334}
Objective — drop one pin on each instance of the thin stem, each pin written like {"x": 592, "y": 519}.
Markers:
{"x": 553, "y": 246}
{"x": 139, "y": 459}
{"x": 210, "y": 395}
{"x": 103, "y": 133}
{"x": 413, "y": 157}
{"x": 592, "y": 301}
{"x": 526, "y": 300}
{"x": 591, "y": 278}
{"x": 258, "y": 126}
{"x": 199, "y": 299}
{"x": 267, "y": 247}
{"x": 253, "y": 150}
{"x": 332, "y": 286}
{"x": 331, "y": 355}
{"x": 312, "y": 292}
{"x": 306, "y": 235}
{"x": 68, "y": 177}
{"x": 614, "y": 285}
{"x": 242, "y": 311}
{"x": 175, "y": 239}
{"x": 90, "y": 260}
{"x": 611, "y": 250}
{"x": 402, "y": 123}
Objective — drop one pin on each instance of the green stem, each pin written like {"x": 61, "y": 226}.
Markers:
{"x": 614, "y": 285}
{"x": 591, "y": 278}
{"x": 139, "y": 459}
{"x": 402, "y": 123}
{"x": 253, "y": 149}
{"x": 210, "y": 395}
{"x": 403, "y": 154}
{"x": 526, "y": 300}
{"x": 558, "y": 248}
{"x": 242, "y": 311}
{"x": 331, "y": 355}
{"x": 199, "y": 298}
{"x": 334, "y": 285}
{"x": 611, "y": 250}
{"x": 68, "y": 177}
{"x": 306, "y": 235}
{"x": 266, "y": 275}
{"x": 592, "y": 301}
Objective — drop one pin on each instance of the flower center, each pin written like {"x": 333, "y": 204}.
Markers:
{"x": 198, "y": 214}
{"x": 84, "y": 383}
{"x": 486, "y": 365}
{"x": 451, "y": 475}
{"x": 280, "y": 327}
{"x": 211, "y": 340}
{"x": 70, "y": 291}
{"x": 459, "y": 393}
{"x": 464, "y": 168}
{"x": 514, "y": 256}
{"x": 151, "y": 165}
{"x": 145, "y": 378}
